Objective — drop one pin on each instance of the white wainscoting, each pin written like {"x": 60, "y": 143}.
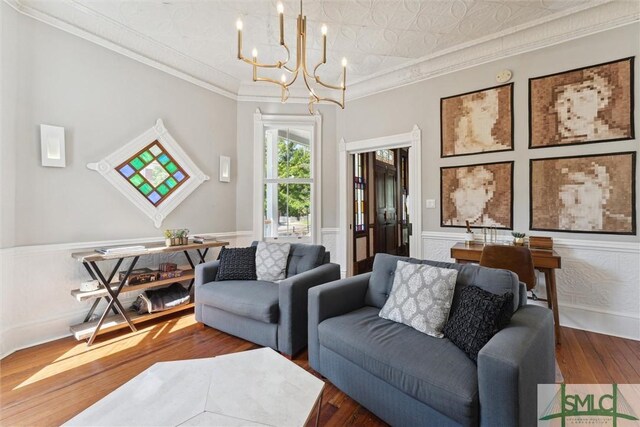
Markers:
{"x": 598, "y": 284}
{"x": 35, "y": 284}
{"x": 329, "y": 239}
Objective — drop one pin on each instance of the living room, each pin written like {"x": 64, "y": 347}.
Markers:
{"x": 462, "y": 106}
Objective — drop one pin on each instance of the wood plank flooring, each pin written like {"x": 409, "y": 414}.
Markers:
{"x": 48, "y": 384}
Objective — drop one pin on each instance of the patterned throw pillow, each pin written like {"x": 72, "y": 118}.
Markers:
{"x": 271, "y": 261}
{"x": 478, "y": 316}
{"x": 237, "y": 264}
{"x": 421, "y": 297}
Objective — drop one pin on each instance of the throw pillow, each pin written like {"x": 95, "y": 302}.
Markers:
{"x": 478, "y": 316}
{"x": 421, "y": 297}
{"x": 237, "y": 264}
{"x": 271, "y": 261}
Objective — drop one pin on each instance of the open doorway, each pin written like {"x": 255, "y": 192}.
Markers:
{"x": 380, "y": 212}
{"x": 406, "y": 213}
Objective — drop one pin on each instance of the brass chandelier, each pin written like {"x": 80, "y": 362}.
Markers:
{"x": 311, "y": 79}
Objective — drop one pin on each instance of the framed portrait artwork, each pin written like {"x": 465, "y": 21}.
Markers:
{"x": 591, "y": 104}
{"x": 481, "y": 194}
{"x": 477, "y": 122}
{"x": 584, "y": 194}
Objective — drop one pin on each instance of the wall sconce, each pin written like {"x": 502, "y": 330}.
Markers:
{"x": 225, "y": 169}
{"x": 52, "y": 146}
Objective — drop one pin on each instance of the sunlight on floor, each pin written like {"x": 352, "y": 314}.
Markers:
{"x": 79, "y": 354}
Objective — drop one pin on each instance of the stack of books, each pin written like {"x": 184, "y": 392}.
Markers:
{"x": 203, "y": 239}
{"x": 121, "y": 250}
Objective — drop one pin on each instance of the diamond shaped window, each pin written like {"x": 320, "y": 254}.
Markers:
{"x": 154, "y": 173}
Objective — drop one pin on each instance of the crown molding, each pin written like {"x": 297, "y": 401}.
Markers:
{"x": 538, "y": 34}
{"x": 535, "y": 35}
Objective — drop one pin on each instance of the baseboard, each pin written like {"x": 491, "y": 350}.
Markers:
{"x": 48, "y": 319}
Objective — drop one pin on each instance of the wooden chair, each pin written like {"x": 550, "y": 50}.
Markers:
{"x": 514, "y": 258}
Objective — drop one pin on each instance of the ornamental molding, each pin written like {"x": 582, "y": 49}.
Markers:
{"x": 547, "y": 31}
{"x": 107, "y": 167}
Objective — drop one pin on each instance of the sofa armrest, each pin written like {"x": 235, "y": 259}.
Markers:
{"x": 292, "y": 294}
{"x": 331, "y": 300}
{"x": 206, "y": 272}
{"x": 511, "y": 366}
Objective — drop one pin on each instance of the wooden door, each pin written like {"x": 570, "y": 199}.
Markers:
{"x": 386, "y": 209}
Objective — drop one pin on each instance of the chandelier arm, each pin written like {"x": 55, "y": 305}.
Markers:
{"x": 295, "y": 77}
{"x": 258, "y": 64}
{"x": 327, "y": 85}
{"x": 338, "y": 103}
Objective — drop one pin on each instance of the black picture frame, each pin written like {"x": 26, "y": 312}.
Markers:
{"x": 633, "y": 231}
{"x": 631, "y": 109}
{"x": 511, "y": 116}
{"x": 511, "y": 164}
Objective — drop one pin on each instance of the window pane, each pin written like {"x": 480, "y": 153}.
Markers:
{"x": 287, "y": 210}
{"x": 287, "y": 153}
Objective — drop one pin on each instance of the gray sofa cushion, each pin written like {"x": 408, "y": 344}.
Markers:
{"x": 303, "y": 257}
{"x": 433, "y": 371}
{"x": 255, "y": 299}
{"x": 490, "y": 279}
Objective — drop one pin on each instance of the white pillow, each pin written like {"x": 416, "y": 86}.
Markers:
{"x": 271, "y": 261}
{"x": 421, "y": 297}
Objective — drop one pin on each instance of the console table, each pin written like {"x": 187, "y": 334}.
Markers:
{"x": 110, "y": 289}
{"x": 544, "y": 260}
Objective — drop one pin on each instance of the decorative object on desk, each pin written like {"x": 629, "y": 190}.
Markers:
{"x": 480, "y": 194}
{"x": 468, "y": 236}
{"x": 176, "y": 237}
{"x": 540, "y": 242}
{"x": 225, "y": 169}
{"x": 591, "y": 104}
{"x": 585, "y": 194}
{"x": 477, "y": 122}
{"x": 89, "y": 285}
{"x": 121, "y": 250}
{"x": 518, "y": 238}
{"x": 152, "y": 172}
{"x": 167, "y": 266}
{"x": 138, "y": 276}
{"x": 52, "y": 146}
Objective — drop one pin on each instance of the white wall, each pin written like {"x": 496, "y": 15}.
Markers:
{"x": 599, "y": 278}
{"x": 103, "y": 100}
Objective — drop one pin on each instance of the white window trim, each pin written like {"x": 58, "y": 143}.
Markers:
{"x": 312, "y": 123}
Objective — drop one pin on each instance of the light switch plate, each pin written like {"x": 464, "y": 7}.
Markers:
{"x": 431, "y": 204}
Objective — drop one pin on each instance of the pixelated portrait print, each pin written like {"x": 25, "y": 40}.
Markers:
{"x": 477, "y": 122}
{"x": 481, "y": 194}
{"x": 593, "y": 104}
{"x": 591, "y": 194}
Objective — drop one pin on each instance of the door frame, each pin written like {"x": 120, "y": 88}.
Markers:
{"x": 411, "y": 140}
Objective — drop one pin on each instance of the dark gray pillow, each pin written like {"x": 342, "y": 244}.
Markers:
{"x": 477, "y": 317}
{"x": 237, "y": 264}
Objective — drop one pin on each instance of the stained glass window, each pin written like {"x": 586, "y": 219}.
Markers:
{"x": 359, "y": 188}
{"x": 154, "y": 173}
{"x": 385, "y": 156}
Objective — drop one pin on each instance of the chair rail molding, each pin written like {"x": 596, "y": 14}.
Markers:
{"x": 597, "y": 284}
{"x": 411, "y": 140}
{"x": 46, "y": 290}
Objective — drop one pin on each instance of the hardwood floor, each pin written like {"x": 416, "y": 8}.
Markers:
{"x": 50, "y": 383}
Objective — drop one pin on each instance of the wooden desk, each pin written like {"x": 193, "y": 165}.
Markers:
{"x": 544, "y": 260}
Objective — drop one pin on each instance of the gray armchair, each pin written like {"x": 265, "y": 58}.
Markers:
{"x": 408, "y": 378}
{"x": 267, "y": 313}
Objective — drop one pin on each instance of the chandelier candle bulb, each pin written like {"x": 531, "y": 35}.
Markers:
{"x": 239, "y": 27}
{"x": 281, "y": 17}
{"x": 254, "y": 53}
{"x": 323, "y": 30}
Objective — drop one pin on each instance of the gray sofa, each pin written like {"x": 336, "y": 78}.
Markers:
{"x": 408, "y": 378}
{"x": 267, "y": 313}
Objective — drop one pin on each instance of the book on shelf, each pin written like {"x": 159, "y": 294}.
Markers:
{"x": 120, "y": 250}
{"x": 203, "y": 239}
